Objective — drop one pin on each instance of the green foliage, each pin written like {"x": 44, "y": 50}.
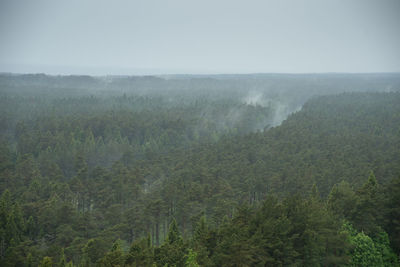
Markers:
{"x": 63, "y": 261}
{"x": 392, "y": 205}
{"x": 342, "y": 200}
{"x": 369, "y": 200}
{"x": 382, "y": 245}
{"x": 115, "y": 257}
{"x": 140, "y": 253}
{"x": 364, "y": 252}
{"x": 79, "y": 171}
{"x": 94, "y": 250}
{"x": 172, "y": 251}
{"x": 46, "y": 262}
{"x": 191, "y": 259}
{"x": 367, "y": 251}
{"x": 203, "y": 242}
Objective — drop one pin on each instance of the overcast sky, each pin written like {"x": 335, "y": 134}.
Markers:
{"x": 199, "y": 36}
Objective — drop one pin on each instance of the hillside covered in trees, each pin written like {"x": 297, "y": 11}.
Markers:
{"x": 223, "y": 170}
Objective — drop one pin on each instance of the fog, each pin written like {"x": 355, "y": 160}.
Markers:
{"x": 200, "y": 52}
{"x": 100, "y": 37}
{"x": 218, "y": 103}
{"x": 232, "y": 123}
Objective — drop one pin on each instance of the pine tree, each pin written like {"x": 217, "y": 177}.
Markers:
{"x": 115, "y": 257}
{"x": 63, "y": 261}
{"x": 201, "y": 237}
{"x": 140, "y": 253}
{"x": 46, "y": 262}
{"x": 173, "y": 250}
{"x": 381, "y": 242}
{"x": 392, "y": 204}
{"x": 93, "y": 250}
{"x": 31, "y": 227}
{"x": 191, "y": 259}
{"x": 174, "y": 236}
{"x": 29, "y": 260}
{"x": 369, "y": 207}
{"x": 342, "y": 200}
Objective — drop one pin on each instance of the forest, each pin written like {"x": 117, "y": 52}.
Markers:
{"x": 200, "y": 170}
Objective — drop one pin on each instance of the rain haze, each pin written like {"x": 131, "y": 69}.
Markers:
{"x": 100, "y": 37}
{"x": 199, "y": 133}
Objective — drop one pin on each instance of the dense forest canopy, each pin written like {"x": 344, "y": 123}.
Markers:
{"x": 197, "y": 170}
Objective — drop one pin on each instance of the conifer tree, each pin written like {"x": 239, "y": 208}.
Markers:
{"x": 46, "y": 262}
{"x": 173, "y": 250}
{"x": 63, "y": 261}
{"x": 201, "y": 238}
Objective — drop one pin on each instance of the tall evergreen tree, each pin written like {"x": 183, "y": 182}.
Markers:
{"x": 172, "y": 252}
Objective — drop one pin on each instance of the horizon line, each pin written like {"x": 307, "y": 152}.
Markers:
{"x": 195, "y": 74}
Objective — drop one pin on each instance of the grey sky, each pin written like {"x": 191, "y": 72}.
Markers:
{"x": 204, "y": 36}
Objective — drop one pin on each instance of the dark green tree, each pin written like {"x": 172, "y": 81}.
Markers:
{"x": 172, "y": 252}
{"x": 140, "y": 253}
{"x": 115, "y": 257}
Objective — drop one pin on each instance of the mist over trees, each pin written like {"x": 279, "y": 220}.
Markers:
{"x": 200, "y": 170}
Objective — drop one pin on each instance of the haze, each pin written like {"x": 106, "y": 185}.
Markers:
{"x": 101, "y": 37}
